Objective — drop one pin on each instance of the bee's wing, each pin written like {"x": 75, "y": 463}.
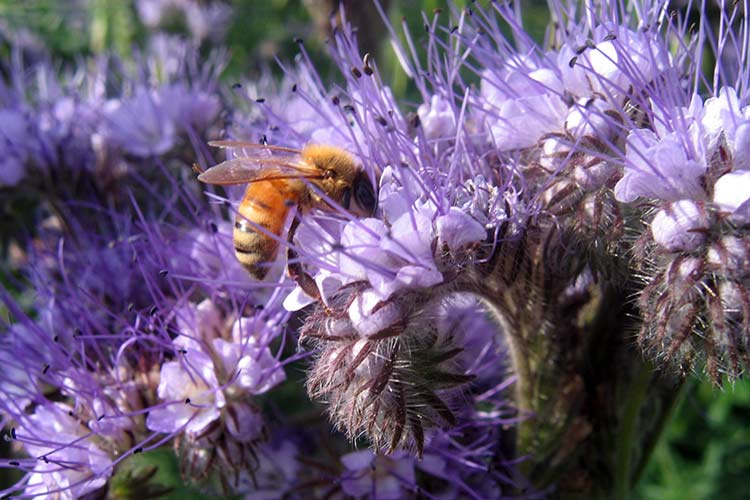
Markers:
{"x": 244, "y": 148}
{"x": 257, "y": 163}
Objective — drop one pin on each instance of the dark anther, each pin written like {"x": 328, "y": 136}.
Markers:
{"x": 99, "y": 419}
{"x": 56, "y": 338}
{"x": 382, "y": 121}
{"x": 289, "y": 203}
{"x": 437, "y": 11}
{"x": 163, "y": 273}
{"x": 182, "y": 351}
{"x": 138, "y": 450}
{"x": 45, "y": 460}
{"x": 264, "y": 140}
{"x": 335, "y": 100}
{"x": 349, "y": 108}
{"x": 45, "y": 369}
{"x": 366, "y": 65}
{"x": 214, "y": 228}
{"x": 236, "y": 86}
{"x": 260, "y": 100}
{"x": 610, "y": 37}
{"x": 294, "y": 88}
{"x": 572, "y": 61}
{"x": 454, "y": 29}
{"x": 187, "y": 401}
{"x": 298, "y": 41}
{"x": 153, "y": 310}
{"x": 580, "y": 50}
{"x": 590, "y": 43}
{"x": 356, "y": 72}
{"x": 259, "y": 307}
{"x": 14, "y": 463}
{"x": 427, "y": 27}
{"x": 131, "y": 306}
{"x": 13, "y": 433}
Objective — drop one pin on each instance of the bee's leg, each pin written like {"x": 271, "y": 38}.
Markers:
{"x": 294, "y": 268}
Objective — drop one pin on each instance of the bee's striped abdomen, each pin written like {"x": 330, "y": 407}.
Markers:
{"x": 265, "y": 204}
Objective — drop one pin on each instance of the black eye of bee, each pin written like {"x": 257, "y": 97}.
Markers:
{"x": 346, "y": 198}
{"x": 364, "y": 194}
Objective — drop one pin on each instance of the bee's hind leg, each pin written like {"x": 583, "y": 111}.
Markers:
{"x": 294, "y": 268}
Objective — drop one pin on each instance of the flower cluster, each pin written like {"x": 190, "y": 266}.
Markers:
{"x": 529, "y": 192}
{"x": 99, "y": 122}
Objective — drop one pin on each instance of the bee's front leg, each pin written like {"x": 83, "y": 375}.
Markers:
{"x": 294, "y": 268}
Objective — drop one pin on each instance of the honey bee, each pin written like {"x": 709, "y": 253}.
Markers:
{"x": 278, "y": 179}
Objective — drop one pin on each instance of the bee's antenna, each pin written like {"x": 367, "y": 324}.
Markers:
{"x": 198, "y": 169}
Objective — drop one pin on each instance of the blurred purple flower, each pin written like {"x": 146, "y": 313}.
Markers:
{"x": 205, "y": 20}
{"x": 17, "y": 146}
{"x": 378, "y": 476}
{"x": 139, "y": 124}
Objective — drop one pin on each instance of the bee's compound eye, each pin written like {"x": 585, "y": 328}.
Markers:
{"x": 346, "y": 198}
{"x": 364, "y": 195}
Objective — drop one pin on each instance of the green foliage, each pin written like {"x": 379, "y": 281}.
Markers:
{"x": 705, "y": 452}
{"x": 155, "y": 474}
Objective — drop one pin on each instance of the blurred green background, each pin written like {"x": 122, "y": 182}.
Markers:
{"x": 705, "y": 452}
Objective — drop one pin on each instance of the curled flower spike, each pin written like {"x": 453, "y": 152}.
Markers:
{"x": 692, "y": 301}
{"x": 389, "y": 381}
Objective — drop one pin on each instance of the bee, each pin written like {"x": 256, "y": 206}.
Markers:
{"x": 278, "y": 179}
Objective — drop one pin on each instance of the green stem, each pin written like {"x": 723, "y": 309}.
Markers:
{"x": 626, "y": 436}
{"x": 519, "y": 359}
{"x": 680, "y": 391}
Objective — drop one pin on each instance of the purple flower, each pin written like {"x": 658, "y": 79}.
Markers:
{"x": 70, "y": 463}
{"x": 613, "y": 61}
{"x": 277, "y": 472}
{"x": 659, "y": 168}
{"x": 437, "y": 118}
{"x": 190, "y": 389}
{"x": 525, "y": 102}
{"x": 140, "y": 125}
{"x": 378, "y": 476}
{"x": 14, "y": 146}
{"x": 722, "y": 116}
{"x": 732, "y": 195}
{"x": 680, "y": 226}
{"x": 209, "y": 21}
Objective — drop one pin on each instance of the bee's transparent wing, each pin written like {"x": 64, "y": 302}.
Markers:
{"x": 243, "y": 148}
{"x": 255, "y": 162}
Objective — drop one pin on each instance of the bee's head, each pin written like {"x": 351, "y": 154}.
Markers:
{"x": 344, "y": 179}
